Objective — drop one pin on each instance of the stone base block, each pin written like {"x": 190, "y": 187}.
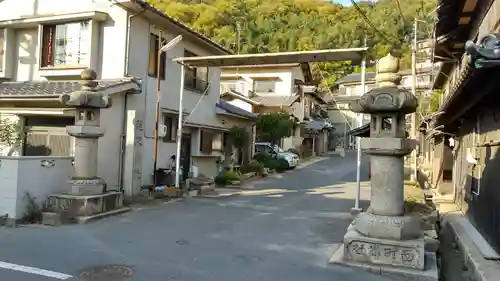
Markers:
{"x": 375, "y": 251}
{"x": 388, "y": 227}
{"x": 87, "y": 186}
{"x": 71, "y": 207}
{"x": 429, "y": 273}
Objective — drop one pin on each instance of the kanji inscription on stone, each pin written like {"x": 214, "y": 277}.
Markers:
{"x": 378, "y": 253}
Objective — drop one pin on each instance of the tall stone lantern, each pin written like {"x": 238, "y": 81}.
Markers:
{"x": 383, "y": 236}
{"x": 87, "y": 198}
{"x": 87, "y": 103}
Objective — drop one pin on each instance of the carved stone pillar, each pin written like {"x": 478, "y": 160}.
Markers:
{"x": 87, "y": 103}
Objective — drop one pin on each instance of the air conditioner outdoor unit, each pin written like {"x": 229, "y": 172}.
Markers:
{"x": 162, "y": 131}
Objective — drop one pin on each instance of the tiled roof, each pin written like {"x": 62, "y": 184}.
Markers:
{"x": 50, "y": 88}
{"x": 318, "y": 125}
{"x": 355, "y": 77}
{"x": 222, "y": 104}
{"x": 276, "y": 100}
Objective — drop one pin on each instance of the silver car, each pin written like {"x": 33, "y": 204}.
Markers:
{"x": 276, "y": 151}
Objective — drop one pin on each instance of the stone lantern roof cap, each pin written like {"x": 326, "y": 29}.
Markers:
{"x": 88, "y": 96}
{"x": 387, "y": 97}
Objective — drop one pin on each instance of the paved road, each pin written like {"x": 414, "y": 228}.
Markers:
{"x": 286, "y": 230}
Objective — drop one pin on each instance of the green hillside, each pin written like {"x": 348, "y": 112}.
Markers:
{"x": 288, "y": 25}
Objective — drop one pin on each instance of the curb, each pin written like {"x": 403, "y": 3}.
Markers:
{"x": 310, "y": 162}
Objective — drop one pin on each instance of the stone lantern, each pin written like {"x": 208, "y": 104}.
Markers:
{"x": 87, "y": 198}
{"x": 383, "y": 236}
{"x": 87, "y": 103}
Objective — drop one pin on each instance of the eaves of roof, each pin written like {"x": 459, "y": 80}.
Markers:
{"x": 145, "y": 6}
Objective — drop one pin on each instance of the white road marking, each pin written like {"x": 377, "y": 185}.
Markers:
{"x": 34, "y": 270}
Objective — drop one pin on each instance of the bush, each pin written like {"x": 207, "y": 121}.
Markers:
{"x": 262, "y": 158}
{"x": 227, "y": 177}
{"x": 253, "y": 167}
{"x": 281, "y": 165}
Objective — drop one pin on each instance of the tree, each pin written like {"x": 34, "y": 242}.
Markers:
{"x": 239, "y": 137}
{"x": 274, "y": 126}
{"x": 10, "y": 132}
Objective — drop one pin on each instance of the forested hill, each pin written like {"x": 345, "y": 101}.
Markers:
{"x": 289, "y": 25}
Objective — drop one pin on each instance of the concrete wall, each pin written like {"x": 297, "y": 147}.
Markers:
{"x": 48, "y": 175}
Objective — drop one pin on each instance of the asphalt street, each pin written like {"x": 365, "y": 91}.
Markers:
{"x": 286, "y": 229}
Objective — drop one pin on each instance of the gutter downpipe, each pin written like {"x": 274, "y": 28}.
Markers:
{"x": 123, "y": 135}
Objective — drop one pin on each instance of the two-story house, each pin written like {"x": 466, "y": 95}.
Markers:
{"x": 45, "y": 45}
{"x": 267, "y": 88}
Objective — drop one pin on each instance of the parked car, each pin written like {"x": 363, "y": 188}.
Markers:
{"x": 278, "y": 153}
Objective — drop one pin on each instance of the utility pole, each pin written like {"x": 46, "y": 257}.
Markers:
{"x": 414, "y": 92}
{"x": 357, "y": 208}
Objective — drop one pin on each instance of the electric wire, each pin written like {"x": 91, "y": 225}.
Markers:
{"x": 369, "y": 23}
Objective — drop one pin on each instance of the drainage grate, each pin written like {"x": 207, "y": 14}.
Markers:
{"x": 111, "y": 272}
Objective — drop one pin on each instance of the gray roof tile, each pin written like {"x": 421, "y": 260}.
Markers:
{"x": 50, "y": 88}
{"x": 222, "y": 104}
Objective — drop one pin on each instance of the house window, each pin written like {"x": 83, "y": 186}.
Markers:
{"x": 217, "y": 142}
{"x": 206, "y": 141}
{"x": 46, "y": 136}
{"x": 230, "y": 85}
{"x": 66, "y": 44}
{"x": 264, "y": 86}
{"x": 195, "y": 78}
{"x": 171, "y": 124}
{"x": 2, "y": 50}
{"x": 154, "y": 42}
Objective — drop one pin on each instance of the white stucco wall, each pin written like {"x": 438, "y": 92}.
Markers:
{"x": 284, "y": 82}
{"x": 107, "y": 50}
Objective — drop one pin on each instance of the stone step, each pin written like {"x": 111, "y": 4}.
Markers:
{"x": 56, "y": 219}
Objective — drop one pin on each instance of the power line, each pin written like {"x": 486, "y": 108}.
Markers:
{"x": 370, "y": 24}
{"x": 398, "y": 5}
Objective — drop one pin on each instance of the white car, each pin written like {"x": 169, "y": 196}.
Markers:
{"x": 276, "y": 151}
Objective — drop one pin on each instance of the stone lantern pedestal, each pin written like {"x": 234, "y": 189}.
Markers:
{"x": 87, "y": 197}
{"x": 383, "y": 239}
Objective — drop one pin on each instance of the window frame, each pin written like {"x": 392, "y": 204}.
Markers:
{"x": 192, "y": 80}
{"x": 256, "y": 81}
{"x": 171, "y": 123}
{"x": 49, "y": 42}
{"x": 154, "y": 48}
{"x": 204, "y": 134}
